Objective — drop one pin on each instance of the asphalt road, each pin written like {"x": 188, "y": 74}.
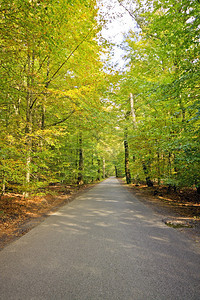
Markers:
{"x": 104, "y": 245}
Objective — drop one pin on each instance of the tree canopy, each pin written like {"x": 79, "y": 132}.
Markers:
{"x": 65, "y": 117}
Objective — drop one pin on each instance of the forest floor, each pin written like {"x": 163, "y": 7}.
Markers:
{"x": 18, "y": 215}
{"x": 180, "y": 210}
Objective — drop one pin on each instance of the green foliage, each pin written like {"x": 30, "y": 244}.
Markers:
{"x": 50, "y": 90}
{"x": 62, "y": 117}
{"x": 163, "y": 76}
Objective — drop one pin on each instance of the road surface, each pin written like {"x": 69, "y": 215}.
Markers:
{"x": 104, "y": 245}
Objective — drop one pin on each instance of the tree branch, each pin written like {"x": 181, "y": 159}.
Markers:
{"x": 133, "y": 16}
{"x": 120, "y": 3}
{"x": 42, "y": 63}
{"x": 31, "y": 106}
{"x": 61, "y": 121}
{"x": 72, "y": 52}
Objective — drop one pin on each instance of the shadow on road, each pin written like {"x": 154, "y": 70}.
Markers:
{"x": 105, "y": 245}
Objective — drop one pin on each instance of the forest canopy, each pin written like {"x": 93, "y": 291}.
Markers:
{"x": 65, "y": 116}
{"x": 158, "y": 93}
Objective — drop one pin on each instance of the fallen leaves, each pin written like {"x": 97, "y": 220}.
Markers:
{"x": 16, "y": 211}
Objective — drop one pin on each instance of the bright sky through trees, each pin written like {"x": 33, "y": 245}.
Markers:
{"x": 118, "y": 23}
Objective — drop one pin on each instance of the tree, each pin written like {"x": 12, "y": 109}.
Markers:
{"x": 51, "y": 78}
{"x": 162, "y": 75}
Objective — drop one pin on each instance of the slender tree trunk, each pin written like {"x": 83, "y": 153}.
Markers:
{"x": 133, "y": 116}
{"x": 132, "y": 110}
{"x": 46, "y": 87}
{"x": 104, "y": 168}
{"x": 80, "y": 163}
{"x": 169, "y": 165}
{"x": 126, "y": 148}
{"x": 158, "y": 166}
{"x": 29, "y": 99}
{"x": 99, "y": 169}
{"x": 92, "y": 165}
{"x": 116, "y": 173}
{"x": 127, "y": 170}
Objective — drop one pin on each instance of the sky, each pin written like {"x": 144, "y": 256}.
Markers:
{"x": 119, "y": 22}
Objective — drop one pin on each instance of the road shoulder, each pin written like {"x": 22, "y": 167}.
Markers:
{"x": 171, "y": 213}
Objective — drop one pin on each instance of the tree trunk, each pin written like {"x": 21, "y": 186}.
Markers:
{"x": 133, "y": 116}
{"x": 158, "y": 167}
{"x": 92, "y": 165}
{"x": 28, "y": 129}
{"x": 99, "y": 169}
{"x": 104, "y": 168}
{"x": 146, "y": 172}
{"x": 169, "y": 165}
{"x": 46, "y": 87}
{"x": 127, "y": 171}
{"x": 132, "y": 109}
{"x": 116, "y": 174}
{"x": 80, "y": 163}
